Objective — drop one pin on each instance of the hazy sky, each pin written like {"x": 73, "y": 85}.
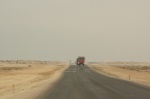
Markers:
{"x": 100, "y": 30}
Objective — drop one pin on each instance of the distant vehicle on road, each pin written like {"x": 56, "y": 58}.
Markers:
{"x": 80, "y": 60}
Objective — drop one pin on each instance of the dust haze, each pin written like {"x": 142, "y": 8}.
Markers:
{"x": 100, "y": 30}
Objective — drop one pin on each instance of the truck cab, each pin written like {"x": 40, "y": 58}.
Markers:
{"x": 80, "y": 60}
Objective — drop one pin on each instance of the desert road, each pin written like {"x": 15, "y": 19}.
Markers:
{"x": 80, "y": 82}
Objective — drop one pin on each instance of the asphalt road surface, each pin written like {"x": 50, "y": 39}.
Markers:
{"x": 79, "y": 82}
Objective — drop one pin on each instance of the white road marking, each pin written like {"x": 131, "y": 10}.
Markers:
{"x": 70, "y": 71}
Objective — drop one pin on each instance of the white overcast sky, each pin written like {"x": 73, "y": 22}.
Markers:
{"x": 100, "y": 30}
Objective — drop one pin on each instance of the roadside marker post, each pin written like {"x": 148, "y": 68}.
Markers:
{"x": 13, "y": 88}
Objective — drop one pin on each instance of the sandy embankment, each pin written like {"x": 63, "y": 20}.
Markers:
{"x": 27, "y": 81}
{"x": 137, "y": 72}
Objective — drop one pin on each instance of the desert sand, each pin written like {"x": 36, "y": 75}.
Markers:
{"x": 28, "y": 79}
{"x": 138, "y": 72}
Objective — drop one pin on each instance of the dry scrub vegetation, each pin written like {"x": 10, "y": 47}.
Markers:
{"x": 25, "y": 79}
{"x": 135, "y": 72}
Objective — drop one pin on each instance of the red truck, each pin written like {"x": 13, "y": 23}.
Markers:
{"x": 80, "y": 60}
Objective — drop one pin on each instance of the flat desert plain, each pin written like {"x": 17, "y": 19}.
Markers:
{"x": 28, "y": 79}
{"x": 138, "y": 72}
